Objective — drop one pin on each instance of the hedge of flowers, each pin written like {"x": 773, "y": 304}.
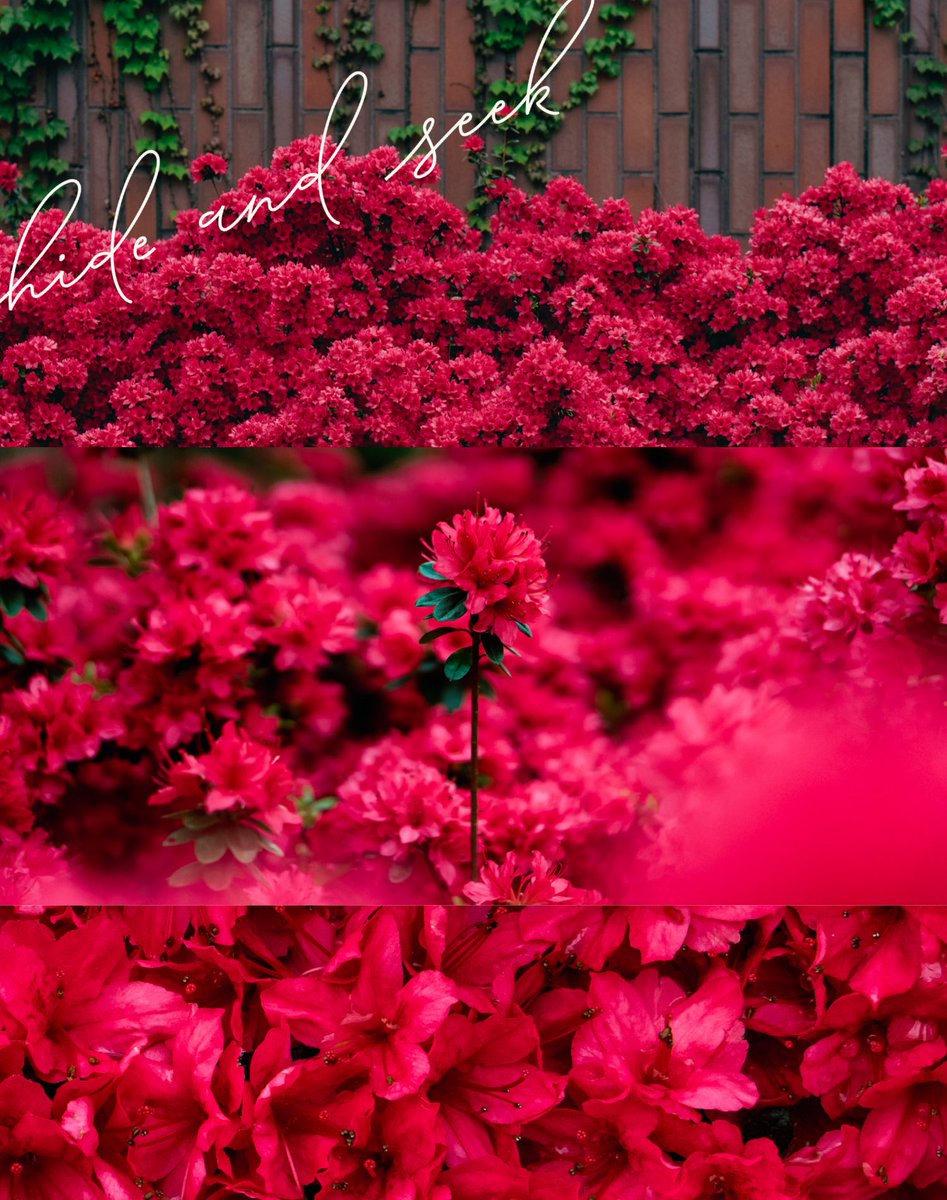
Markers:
{"x": 573, "y": 324}
{"x": 442, "y": 1053}
{"x": 233, "y": 682}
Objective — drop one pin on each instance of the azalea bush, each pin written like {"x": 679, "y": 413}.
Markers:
{"x": 452, "y": 1054}
{"x": 570, "y": 323}
{"x": 253, "y": 675}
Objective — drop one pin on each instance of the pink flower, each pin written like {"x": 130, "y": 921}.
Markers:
{"x": 381, "y": 1023}
{"x": 651, "y": 1042}
{"x": 172, "y": 1116}
{"x": 37, "y": 1159}
{"x": 208, "y": 166}
{"x": 508, "y": 884}
{"x": 497, "y": 564}
{"x": 474, "y": 144}
{"x": 71, "y": 1000}
{"x": 10, "y": 176}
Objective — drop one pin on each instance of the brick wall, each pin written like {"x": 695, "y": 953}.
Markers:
{"x": 723, "y": 104}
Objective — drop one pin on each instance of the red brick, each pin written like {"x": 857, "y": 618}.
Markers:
{"x": 284, "y": 22}
{"x": 282, "y": 102}
{"x": 182, "y": 73}
{"x": 709, "y": 113}
{"x": 638, "y": 190}
{"x": 674, "y": 55}
{"x": 147, "y": 225}
{"x": 815, "y": 62}
{"x": 779, "y": 24}
{"x": 388, "y": 75}
{"x": 777, "y": 186}
{"x": 642, "y": 26}
{"x": 568, "y": 146}
{"x": 426, "y": 26}
{"x": 102, "y": 167}
{"x": 815, "y": 150}
{"x": 426, "y": 89}
{"x": 709, "y": 25}
{"x": 568, "y": 71}
{"x": 779, "y": 126}
{"x": 884, "y": 146}
{"x": 458, "y": 181}
{"x": 459, "y": 64}
{"x": 248, "y": 141}
{"x": 608, "y": 97}
{"x": 249, "y": 37}
{"x": 744, "y": 56}
{"x": 745, "y": 191}
{"x": 215, "y": 14}
{"x": 884, "y": 71}
{"x": 603, "y": 171}
{"x": 849, "y": 24}
{"x": 673, "y": 161}
{"x": 710, "y": 203}
{"x": 638, "y": 123}
{"x": 922, "y": 25}
{"x": 849, "y": 101}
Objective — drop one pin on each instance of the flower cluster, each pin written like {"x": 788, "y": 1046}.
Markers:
{"x": 239, "y": 690}
{"x": 573, "y": 324}
{"x": 606, "y": 1053}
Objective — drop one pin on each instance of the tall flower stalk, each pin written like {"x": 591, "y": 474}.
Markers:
{"x": 493, "y": 583}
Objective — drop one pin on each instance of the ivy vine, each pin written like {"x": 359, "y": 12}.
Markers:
{"x": 32, "y": 36}
{"x": 927, "y": 95}
{"x": 36, "y": 33}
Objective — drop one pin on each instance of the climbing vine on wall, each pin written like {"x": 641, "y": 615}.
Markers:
{"x": 927, "y": 93}
{"x": 37, "y": 33}
{"x": 31, "y": 37}
{"x": 504, "y": 29}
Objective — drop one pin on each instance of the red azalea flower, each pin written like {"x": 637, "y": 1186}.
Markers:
{"x": 173, "y": 1120}
{"x": 498, "y": 564}
{"x": 71, "y": 1000}
{"x": 208, "y": 166}
{"x": 38, "y": 1161}
{"x": 381, "y": 1023}
{"x": 10, "y": 176}
{"x": 651, "y": 1041}
{"x": 485, "y": 1076}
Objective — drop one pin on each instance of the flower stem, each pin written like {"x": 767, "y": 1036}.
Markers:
{"x": 146, "y": 485}
{"x": 475, "y": 761}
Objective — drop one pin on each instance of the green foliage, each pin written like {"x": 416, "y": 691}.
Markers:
{"x": 137, "y": 46}
{"x": 31, "y": 36}
{"x": 505, "y": 27}
{"x": 353, "y": 47}
{"x": 36, "y": 33}
{"x": 888, "y": 13}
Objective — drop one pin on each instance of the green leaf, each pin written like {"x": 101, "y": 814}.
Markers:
{"x": 427, "y": 570}
{"x": 453, "y": 696}
{"x": 432, "y": 599}
{"x": 459, "y": 664}
{"x": 494, "y": 648}
{"x": 433, "y": 634}
{"x": 523, "y": 628}
{"x": 12, "y": 597}
{"x": 451, "y": 609}
{"x": 36, "y": 606}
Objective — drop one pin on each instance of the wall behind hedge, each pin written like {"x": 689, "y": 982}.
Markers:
{"x": 723, "y": 104}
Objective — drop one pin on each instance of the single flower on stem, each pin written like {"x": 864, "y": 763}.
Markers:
{"x": 494, "y": 580}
